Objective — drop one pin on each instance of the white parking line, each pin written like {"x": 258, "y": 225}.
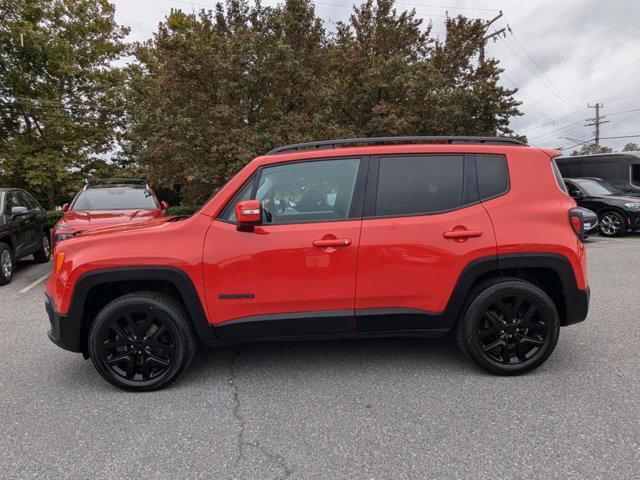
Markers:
{"x": 29, "y": 287}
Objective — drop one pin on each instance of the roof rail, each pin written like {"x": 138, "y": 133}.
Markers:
{"x": 410, "y": 139}
{"x": 115, "y": 181}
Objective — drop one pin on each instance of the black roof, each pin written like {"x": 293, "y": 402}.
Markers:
{"x": 388, "y": 140}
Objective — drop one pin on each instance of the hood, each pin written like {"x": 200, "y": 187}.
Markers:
{"x": 619, "y": 199}
{"x": 90, "y": 220}
{"x": 150, "y": 224}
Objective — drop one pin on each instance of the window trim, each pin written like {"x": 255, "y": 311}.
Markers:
{"x": 469, "y": 188}
{"x": 357, "y": 198}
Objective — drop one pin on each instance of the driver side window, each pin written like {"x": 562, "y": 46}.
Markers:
{"x": 312, "y": 191}
{"x": 14, "y": 199}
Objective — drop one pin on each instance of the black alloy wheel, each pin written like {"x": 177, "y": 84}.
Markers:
{"x": 141, "y": 341}
{"x": 511, "y": 329}
{"x": 510, "y": 326}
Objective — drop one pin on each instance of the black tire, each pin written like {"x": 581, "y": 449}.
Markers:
{"x": 612, "y": 224}
{"x": 141, "y": 341}
{"x": 6, "y": 255}
{"x": 44, "y": 253}
{"x": 496, "y": 328}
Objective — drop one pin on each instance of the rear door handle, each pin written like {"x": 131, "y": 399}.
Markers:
{"x": 332, "y": 242}
{"x": 456, "y": 234}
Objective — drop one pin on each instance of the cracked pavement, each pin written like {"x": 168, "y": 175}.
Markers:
{"x": 374, "y": 409}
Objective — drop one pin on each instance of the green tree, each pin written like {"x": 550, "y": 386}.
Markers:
{"x": 61, "y": 97}
{"x": 210, "y": 91}
{"x": 590, "y": 148}
{"x": 631, "y": 147}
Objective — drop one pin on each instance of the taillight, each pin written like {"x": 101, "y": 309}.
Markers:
{"x": 577, "y": 222}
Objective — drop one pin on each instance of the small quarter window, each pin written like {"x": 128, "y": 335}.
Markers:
{"x": 493, "y": 175}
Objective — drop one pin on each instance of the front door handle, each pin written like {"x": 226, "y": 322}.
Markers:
{"x": 462, "y": 234}
{"x": 332, "y": 242}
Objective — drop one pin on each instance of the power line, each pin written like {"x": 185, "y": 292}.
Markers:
{"x": 626, "y": 111}
{"x": 535, "y": 73}
{"x": 515, "y": 37}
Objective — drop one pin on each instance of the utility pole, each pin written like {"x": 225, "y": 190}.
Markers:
{"x": 596, "y": 121}
{"x": 484, "y": 39}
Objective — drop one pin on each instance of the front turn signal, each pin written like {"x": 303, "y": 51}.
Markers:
{"x": 59, "y": 261}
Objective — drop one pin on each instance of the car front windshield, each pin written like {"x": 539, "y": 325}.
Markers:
{"x": 597, "y": 188}
{"x": 115, "y": 198}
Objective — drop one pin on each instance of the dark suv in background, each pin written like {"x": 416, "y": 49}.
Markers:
{"x": 23, "y": 231}
{"x": 617, "y": 212}
{"x": 622, "y": 170}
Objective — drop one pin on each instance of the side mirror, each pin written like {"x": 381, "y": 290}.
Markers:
{"x": 164, "y": 205}
{"x": 248, "y": 215}
{"x": 65, "y": 207}
{"x": 15, "y": 211}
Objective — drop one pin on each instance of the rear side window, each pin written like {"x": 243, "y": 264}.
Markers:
{"x": 420, "y": 184}
{"x": 493, "y": 175}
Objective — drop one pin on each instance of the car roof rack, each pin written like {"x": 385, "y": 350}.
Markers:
{"x": 94, "y": 182}
{"x": 409, "y": 139}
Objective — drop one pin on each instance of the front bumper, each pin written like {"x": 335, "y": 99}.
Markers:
{"x": 577, "y": 305}
{"x": 66, "y": 330}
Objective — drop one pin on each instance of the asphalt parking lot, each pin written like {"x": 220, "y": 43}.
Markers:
{"x": 382, "y": 409}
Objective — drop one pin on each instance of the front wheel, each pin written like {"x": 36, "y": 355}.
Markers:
{"x": 141, "y": 341}
{"x": 509, "y": 327}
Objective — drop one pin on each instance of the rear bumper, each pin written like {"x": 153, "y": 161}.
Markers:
{"x": 65, "y": 330}
{"x": 577, "y": 305}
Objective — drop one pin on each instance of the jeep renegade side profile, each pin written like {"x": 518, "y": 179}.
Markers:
{"x": 409, "y": 236}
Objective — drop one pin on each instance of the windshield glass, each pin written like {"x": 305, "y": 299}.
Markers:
{"x": 596, "y": 188}
{"x": 115, "y": 198}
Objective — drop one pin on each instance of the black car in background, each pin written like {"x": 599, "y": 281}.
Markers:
{"x": 23, "y": 231}
{"x": 617, "y": 212}
{"x": 622, "y": 170}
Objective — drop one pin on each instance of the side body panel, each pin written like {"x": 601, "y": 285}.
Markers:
{"x": 276, "y": 269}
{"x": 406, "y": 261}
{"x": 543, "y": 226}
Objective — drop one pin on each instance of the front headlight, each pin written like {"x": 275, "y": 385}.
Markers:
{"x": 62, "y": 236}
{"x": 632, "y": 206}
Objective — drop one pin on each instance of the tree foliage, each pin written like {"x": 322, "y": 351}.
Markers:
{"x": 61, "y": 96}
{"x": 591, "y": 148}
{"x": 631, "y": 147}
{"x": 210, "y": 91}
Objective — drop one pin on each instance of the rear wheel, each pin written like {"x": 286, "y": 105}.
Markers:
{"x": 7, "y": 264}
{"x": 44, "y": 253}
{"x": 141, "y": 341}
{"x": 509, "y": 327}
{"x": 612, "y": 224}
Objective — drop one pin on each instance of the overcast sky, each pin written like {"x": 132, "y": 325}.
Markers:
{"x": 561, "y": 54}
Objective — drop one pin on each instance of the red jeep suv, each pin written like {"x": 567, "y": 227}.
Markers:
{"x": 362, "y": 238}
{"x": 106, "y": 202}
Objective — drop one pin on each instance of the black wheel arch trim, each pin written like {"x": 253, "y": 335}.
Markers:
{"x": 175, "y": 276}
